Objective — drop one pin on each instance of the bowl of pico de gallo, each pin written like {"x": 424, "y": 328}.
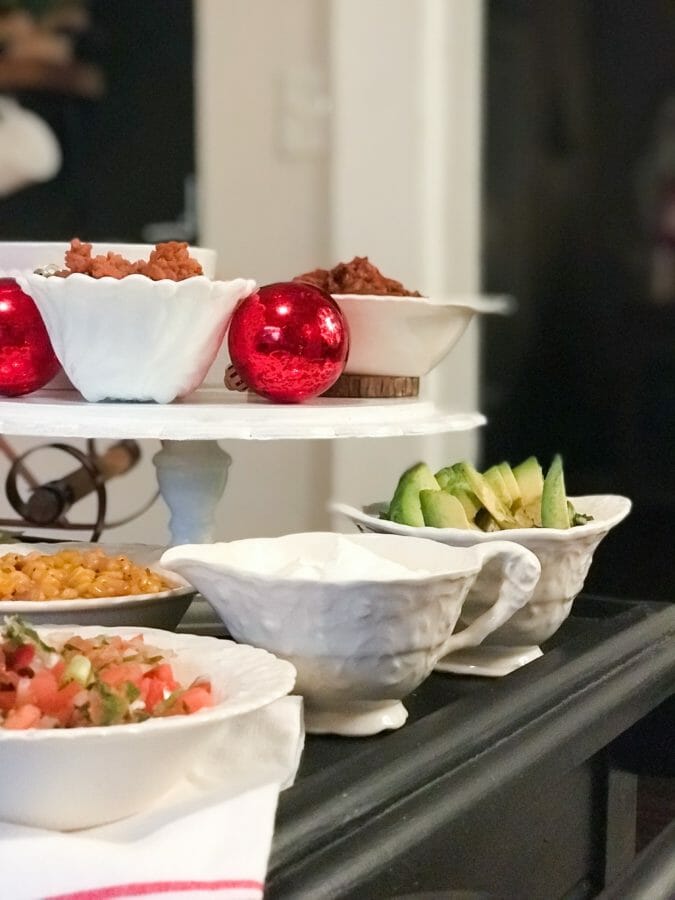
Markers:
{"x": 96, "y": 724}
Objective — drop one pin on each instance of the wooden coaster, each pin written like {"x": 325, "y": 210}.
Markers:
{"x": 374, "y": 386}
{"x": 233, "y": 381}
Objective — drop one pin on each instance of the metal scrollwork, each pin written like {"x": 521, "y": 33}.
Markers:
{"x": 47, "y": 505}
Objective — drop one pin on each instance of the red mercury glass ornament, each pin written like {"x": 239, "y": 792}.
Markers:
{"x": 27, "y": 361}
{"x": 289, "y": 341}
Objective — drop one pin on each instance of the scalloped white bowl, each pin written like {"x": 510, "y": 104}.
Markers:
{"x": 565, "y": 556}
{"x": 360, "y": 637}
{"x": 406, "y": 336}
{"x": 161, "y": 610}
{"x": 80, "y": 777}
{"x": 133, "y": 338}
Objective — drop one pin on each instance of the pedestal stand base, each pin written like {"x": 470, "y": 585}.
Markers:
{"x": 356, "y": 719}
{"x": 192, "y": 476}
{"x": 487, "y": 661}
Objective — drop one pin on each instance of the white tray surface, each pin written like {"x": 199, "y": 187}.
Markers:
{"x": 215, "y": 413}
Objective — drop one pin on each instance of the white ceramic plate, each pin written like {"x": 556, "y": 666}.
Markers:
{"x": 164, "y": 609}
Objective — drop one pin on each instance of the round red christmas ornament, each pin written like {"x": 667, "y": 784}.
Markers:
{"x": 27, "y": 361}
{"x": 288, "y": 342}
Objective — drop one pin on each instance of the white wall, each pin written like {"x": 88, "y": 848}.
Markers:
{"x": 264, "y": 205}
{"x": 409, "y": 192}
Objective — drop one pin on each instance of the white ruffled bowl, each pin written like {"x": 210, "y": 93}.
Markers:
{"x": 405, "y": 336}
{"x": 70, "y": 778}
{"x": 565, "y": 555}
{"x": 133, "y": 338}
{"x": 367, "y": 621}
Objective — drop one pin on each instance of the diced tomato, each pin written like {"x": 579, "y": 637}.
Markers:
{"x": 7, "y": 699}
{"x": 35, "y": 693}
{"x": 115, "y": 675}
{"x": 23, "y": 691}
{"x": 20, "y": 658}
{"x": 152, "y": 692}
{"x": 196, "y": 697}
{"x": 44, "y": 692}
{"x": 164, "y": 673}
{"x": 41, "y": 690}
{"x": 9, "y": 678}
{"x": 25, "y": 716}
{"x": 58, "y": 669}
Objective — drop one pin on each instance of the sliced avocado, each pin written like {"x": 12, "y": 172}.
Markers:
{"x": 405, "y": 505}
{"x": 486, "y": 495}
{"x": 554, "y": 513}
{"x": 442, "y": 510}
{"x": 506, "y": 472}
{"x": 451, "y": 481}
{"x": 469, "y": 501}
{"x": 446, "y": 477}
{"x": 494, "y": 478}
{"x": 577, "y": 518}
{"x": 501, "y": 485}
{"x": 530, "y": 479}
{"x": 485, "y": 521}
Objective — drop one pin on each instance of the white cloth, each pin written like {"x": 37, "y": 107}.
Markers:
{"x": 210, "y": 837}
{"x": 29, "y": 150}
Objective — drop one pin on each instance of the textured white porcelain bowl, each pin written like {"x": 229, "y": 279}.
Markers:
{"x": 80, "y": 777}
{"x": 134, "y": 338}
{"x": 565, "y": 556}
{"x": 404, "y": 335}
{"x": 160, "y": 610}
{"x": 26, "y": 256}
{"x": 359, "y": 639}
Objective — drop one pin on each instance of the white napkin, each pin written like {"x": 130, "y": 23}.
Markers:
{"x": 210, "y": 837}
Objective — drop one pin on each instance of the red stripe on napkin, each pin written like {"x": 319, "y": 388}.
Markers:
{"x": 158, "y": 887}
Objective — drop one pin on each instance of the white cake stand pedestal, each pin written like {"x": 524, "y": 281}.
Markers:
{"x": 192, "y": 476}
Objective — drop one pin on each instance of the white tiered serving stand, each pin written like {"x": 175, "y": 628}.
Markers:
{"x": 191, "y": 466}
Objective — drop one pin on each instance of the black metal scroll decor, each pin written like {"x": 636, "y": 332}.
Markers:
{"x": 47, "y": 505}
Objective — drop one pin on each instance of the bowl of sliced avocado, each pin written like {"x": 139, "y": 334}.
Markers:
{"x": 460, "y": 506}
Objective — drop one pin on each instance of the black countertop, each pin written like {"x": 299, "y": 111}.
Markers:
{"x": 500, "y": 785}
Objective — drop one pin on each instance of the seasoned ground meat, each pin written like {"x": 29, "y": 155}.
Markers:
{"x": 359, "y": 276}
{"x": 170, "y": 260}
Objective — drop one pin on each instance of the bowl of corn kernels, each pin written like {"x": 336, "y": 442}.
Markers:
{"x": 91, "y": 584}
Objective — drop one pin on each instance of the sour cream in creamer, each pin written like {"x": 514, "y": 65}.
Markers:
{"x": 346, "y": 562}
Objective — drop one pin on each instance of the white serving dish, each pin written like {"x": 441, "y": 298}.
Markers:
{"x": 160, "y": 610}
{"x": 135, "y": 339}
{"x": 405, "y": 336}
{"x": 80, "y": 777}
{"x": 565, "y": 556}
{"x": 361, "y": 640}
{"x": 26, "y": 256}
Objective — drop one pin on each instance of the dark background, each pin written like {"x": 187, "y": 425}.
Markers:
{"x": 126, "y": 154}
{"x": 578, "y": 167}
